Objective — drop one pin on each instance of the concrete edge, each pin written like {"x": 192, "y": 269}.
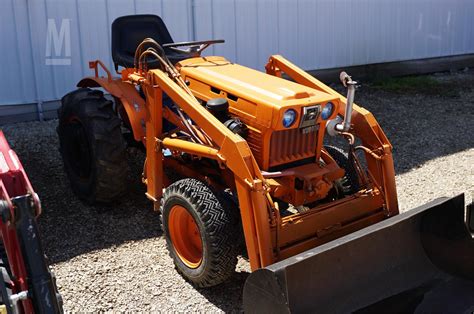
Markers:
{"x": 370, "y": 72}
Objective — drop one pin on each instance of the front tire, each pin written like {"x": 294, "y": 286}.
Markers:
{"x": 202, "y": 233}
{"x": 92, "y": 146}
{"x": 349, "y": 184}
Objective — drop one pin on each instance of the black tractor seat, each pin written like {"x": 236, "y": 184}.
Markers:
{"x": 129, "y": 31}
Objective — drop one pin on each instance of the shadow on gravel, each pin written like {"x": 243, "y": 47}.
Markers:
{"x": 69, "y": 227}
{"x": 227, "y": 295}
{"x": 423, "y": 117}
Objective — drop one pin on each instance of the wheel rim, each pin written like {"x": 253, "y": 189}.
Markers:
{"x": 185, "y": 236}
{"x": 77, "y": 149}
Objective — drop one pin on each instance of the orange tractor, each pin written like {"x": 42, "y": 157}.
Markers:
{"x": 236, "y": 165}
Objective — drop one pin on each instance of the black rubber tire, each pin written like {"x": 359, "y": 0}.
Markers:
{"x": 92, "y": 147}
{"x": 349, "y": 184}
{"x": 218, "y": 227}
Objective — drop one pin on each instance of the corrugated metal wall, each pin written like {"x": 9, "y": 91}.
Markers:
{"x": 315, "y": 34}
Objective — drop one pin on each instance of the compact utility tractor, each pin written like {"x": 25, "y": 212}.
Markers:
{"x": 236, "y": 165}
{"x": 27, "y": 285}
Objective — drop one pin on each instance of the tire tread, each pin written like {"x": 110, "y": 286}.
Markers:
{"x": 221, "y": 228}
{"x": 350, "y": 181}
{"x": 105, "y": 140}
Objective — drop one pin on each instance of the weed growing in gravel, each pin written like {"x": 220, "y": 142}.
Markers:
{"x": 427, "y": 85}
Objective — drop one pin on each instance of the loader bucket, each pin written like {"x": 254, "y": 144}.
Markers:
{"x": 419, "y": 261}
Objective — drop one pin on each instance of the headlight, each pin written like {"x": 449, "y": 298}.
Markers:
{"x": 289, "y": 118}
{"x": 327, "y": 111}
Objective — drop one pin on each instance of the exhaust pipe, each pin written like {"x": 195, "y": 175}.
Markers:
{"x": 347, "y": 81}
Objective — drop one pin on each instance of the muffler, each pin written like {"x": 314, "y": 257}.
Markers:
{"x": 420, "y": 261}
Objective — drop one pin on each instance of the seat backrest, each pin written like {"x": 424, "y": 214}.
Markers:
{"x": 129, "y": 31}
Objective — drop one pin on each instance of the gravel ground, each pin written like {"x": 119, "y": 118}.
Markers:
{"x": 115, "y": 258}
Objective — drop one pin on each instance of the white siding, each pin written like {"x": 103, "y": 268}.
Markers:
{"x": 315, "y": 34}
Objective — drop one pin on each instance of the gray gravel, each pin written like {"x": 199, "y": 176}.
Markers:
{"x": 115, "y": 258}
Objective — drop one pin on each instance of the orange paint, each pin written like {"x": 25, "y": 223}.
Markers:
{"x": 185, "y": 236}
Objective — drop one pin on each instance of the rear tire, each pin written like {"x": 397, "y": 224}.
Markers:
{"x": 202, "y": 233}
{"x": 349, "y": 184}
{"x": 92, "y": 146}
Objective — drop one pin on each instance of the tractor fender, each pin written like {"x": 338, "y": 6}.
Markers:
{"x": 131, "y": 100}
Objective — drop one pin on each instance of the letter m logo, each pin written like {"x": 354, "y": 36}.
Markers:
{"x": 58, "y": 43}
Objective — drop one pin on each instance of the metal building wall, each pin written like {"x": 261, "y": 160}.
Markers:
{"x": 315, "y": 34}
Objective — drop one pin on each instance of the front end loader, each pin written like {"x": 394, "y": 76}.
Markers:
{"x": 27, "y": 284}
{"x": 236, "y": 164}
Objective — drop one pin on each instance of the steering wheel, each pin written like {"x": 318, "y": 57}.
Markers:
{"x": 193, "y": 46}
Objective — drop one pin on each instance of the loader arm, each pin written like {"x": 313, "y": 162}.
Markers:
{"x": 232, "y": 150}
{"x": 268, "y": 236}
{"x": 364, "y": 126}
{"x": 24, "y": 268}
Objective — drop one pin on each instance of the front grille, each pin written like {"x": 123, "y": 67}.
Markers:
{"x": 291, "y": 145}
{"x": 255, "y": 141}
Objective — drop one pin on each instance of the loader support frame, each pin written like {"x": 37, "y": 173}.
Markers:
{"x": 268, "y": 237}
{"x": 33, "y": 288}
{"x": 365, "y": 127}
{"x": 251, "y": 191}
{"x": 42, "y": 289}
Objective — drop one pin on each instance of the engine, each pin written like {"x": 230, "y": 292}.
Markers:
{"x": 283, "y": 123}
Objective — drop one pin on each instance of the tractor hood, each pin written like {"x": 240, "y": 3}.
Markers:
{"x": 247, "y": 83}
{"x": 253, "y": 95}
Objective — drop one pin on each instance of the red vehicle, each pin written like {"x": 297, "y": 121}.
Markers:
{"x": 28, "y": 285}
